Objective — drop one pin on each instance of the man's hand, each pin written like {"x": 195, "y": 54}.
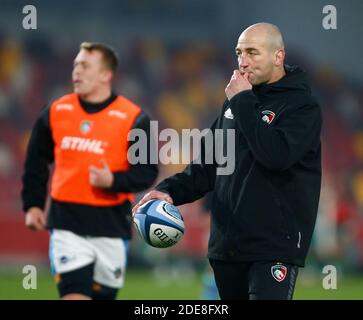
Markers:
{"x": 237, "y": 84}
{"x": 101, "y": 177}
{"x": 153, "y": 194}
{"x": 35, "y": 219}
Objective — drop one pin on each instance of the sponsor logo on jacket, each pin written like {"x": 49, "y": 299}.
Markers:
{"x": 117, "y": 114}
{"x": 64, "y": 106}
{"x": 83, "y": 145}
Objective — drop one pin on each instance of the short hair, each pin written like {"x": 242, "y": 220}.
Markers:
{"x": 110, "y": 58}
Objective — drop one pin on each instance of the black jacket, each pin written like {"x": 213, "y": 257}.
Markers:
{"x": 111, "y": 221}
{"x": 266, "y": 209}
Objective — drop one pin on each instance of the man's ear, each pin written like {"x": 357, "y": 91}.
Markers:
{"x": 107, "y": 75}
{"x": 279, "y": 57}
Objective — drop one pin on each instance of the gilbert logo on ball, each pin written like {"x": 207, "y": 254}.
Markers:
{"x": 159, "y": 223}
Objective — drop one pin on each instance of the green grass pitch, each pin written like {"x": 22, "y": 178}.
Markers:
{"x": 144, "y": 286}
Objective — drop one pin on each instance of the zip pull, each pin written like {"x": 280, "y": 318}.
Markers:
{"x": 298, "y": 242}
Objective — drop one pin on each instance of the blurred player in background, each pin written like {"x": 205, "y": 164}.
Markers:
{"x": 263, "y": 214}
{"x": 85, "y": 135}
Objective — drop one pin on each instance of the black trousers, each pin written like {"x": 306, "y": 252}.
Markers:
{"x": 260, "y": 280}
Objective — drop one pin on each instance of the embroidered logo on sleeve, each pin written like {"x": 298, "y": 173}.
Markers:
{"x": 228, "y": 114}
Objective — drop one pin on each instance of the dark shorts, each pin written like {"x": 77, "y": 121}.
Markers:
{"x": 261, "y": 280}
{"x": 81, "y": 281}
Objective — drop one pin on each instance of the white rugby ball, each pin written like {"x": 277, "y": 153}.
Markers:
{"x": 159, "y": 223}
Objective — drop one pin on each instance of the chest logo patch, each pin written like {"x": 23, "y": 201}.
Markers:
{"x": 86, "y": 126}
{"x": 268, "y": 116}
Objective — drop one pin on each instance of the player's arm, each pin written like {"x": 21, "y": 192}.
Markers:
{"x": 193, "y": 183}
{"x": 277, "y": 146}
{"x": 40, "y": 153}
{"x": 139, "y": 176}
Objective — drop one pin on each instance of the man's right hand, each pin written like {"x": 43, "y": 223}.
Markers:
{"x": 153, "y": 194}
{"x": 35, "y": 219}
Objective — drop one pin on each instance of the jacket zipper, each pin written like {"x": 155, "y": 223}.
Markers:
{"x": 298, "y": 242}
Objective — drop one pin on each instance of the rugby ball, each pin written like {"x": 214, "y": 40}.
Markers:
{"x": 159, "y": 223}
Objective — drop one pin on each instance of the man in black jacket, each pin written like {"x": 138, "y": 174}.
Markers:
{"x": 263, "y": 214}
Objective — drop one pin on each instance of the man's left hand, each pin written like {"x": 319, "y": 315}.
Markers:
{"x": 237, "y": 84}
{"x": 101, "y": 177}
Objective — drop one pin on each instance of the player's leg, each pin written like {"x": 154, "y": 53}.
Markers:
{"x": 72, "y": 262}
{"x": 110, "y": 267}
{"x": 102, "y": 292}
{"x": 231, "y": 279}
{"x": 76, "y": 284}
{"x": 272, "y": 280}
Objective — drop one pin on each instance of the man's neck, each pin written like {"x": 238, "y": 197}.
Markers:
{"x": 278, "y": 75}
{"x": 97, "y": 97}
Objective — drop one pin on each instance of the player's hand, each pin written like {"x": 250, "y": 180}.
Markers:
{"x": 237, "y": 84}
{"x": 101, "y": 177}
{"x": 153, "y": 194}
{"x": 35, "y": 219}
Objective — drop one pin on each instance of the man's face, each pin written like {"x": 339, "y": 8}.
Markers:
{"x": 255, "y": 57}
{"x": 88, "y": 72}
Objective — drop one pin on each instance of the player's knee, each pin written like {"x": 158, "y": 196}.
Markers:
{"x": 102, "y": 292}
{"x": 75, "y": 296}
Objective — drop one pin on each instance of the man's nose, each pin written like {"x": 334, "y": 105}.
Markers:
{"x": 242, "y": 62}
{"x": 76, "y": 70}
{"x": 76, "y": 73}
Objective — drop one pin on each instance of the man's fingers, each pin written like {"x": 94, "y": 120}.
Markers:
{"x": 93, "y": 169}
{"x": 236, "y": 73}
{"x": 134, "y": 209}
{"x": 42, "y": 221}
{"x": 150, "y": 196}
{"x": 35, "y": 225}
{"x": 39, "y": 226}
{"x": 31, "y": 226}
{"x": 35, "y": 219}
{"x": 167, "y": 198}
{"x": 146, "y": 198}
{"x": 104, "y": 164}
{"x": 92, "y": 179}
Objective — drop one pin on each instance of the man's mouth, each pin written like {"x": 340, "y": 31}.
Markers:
{"x": 244, "y": 72}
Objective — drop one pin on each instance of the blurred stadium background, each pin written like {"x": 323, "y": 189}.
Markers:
{"x": 176, "y": 58}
